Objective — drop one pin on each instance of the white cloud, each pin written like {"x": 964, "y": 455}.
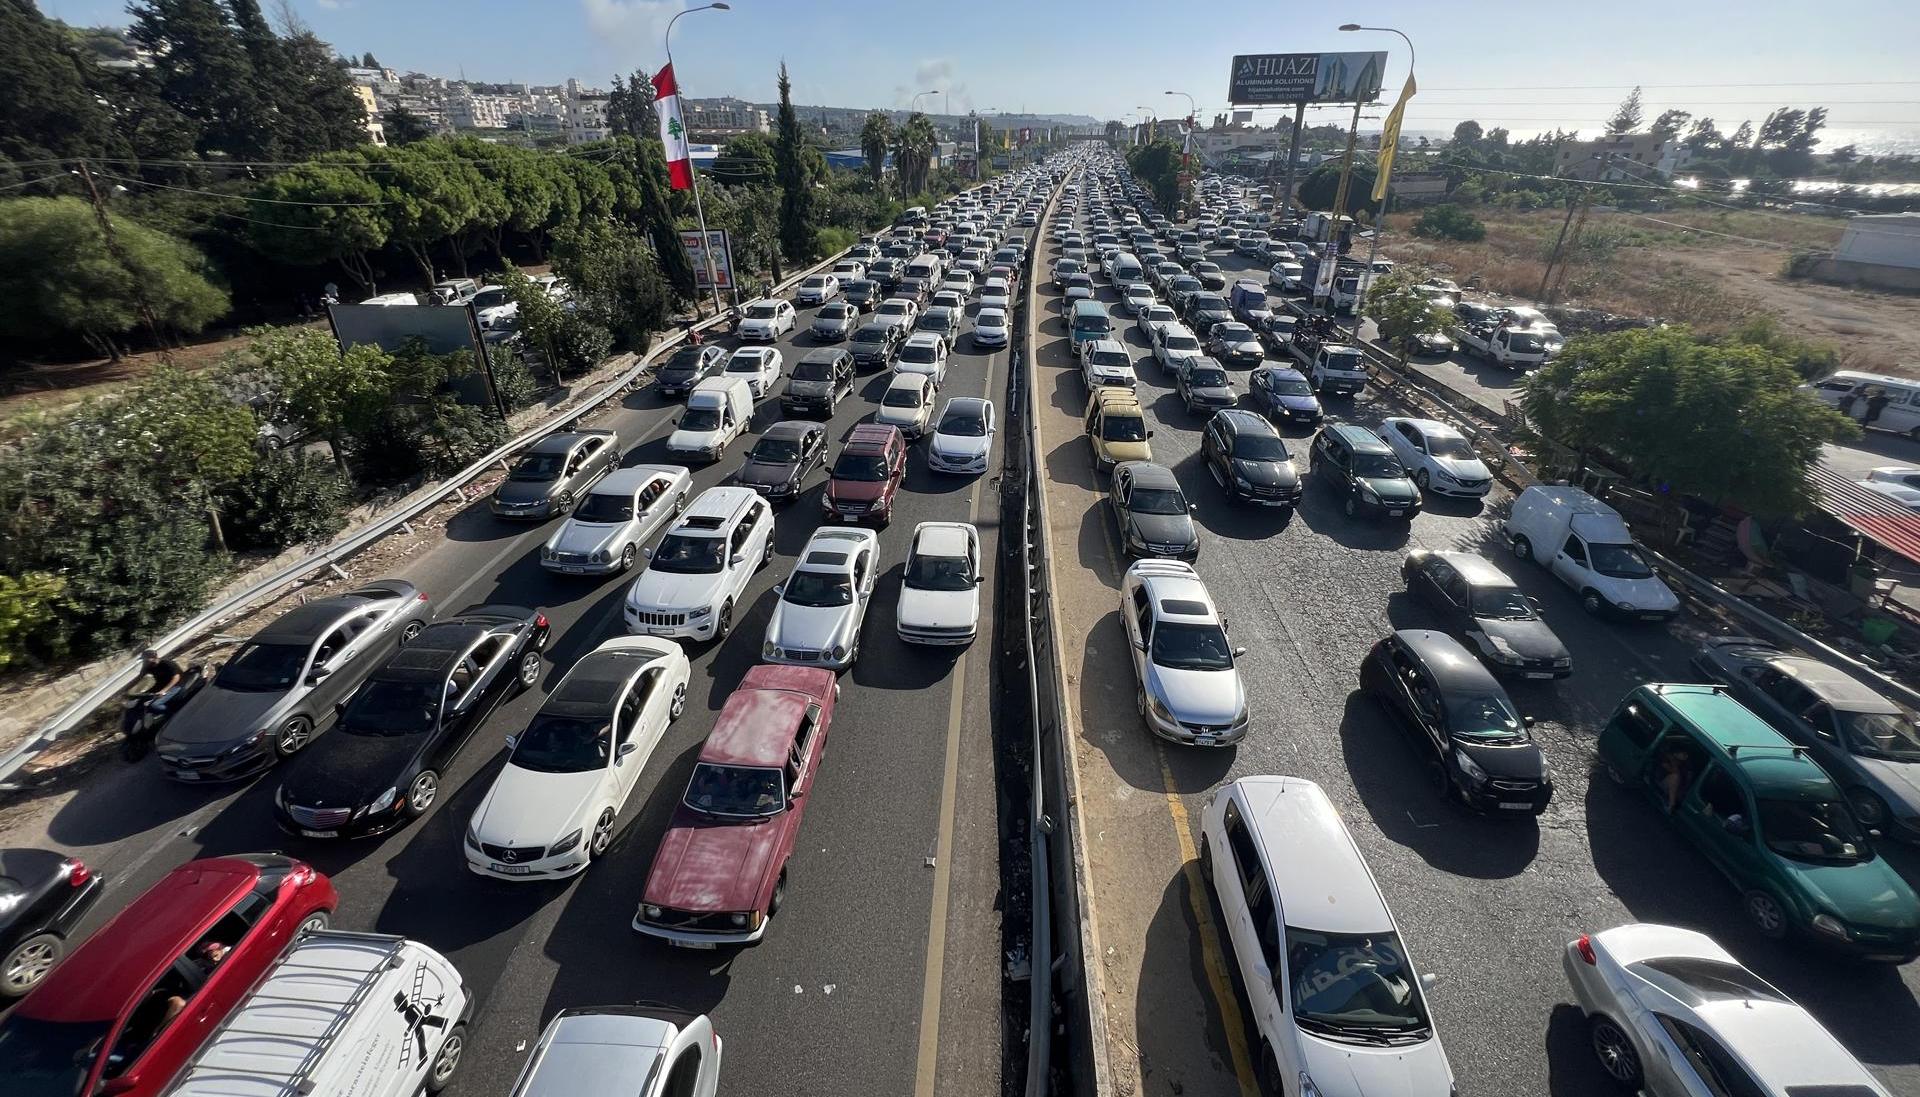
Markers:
{"x": 630, "y": 28}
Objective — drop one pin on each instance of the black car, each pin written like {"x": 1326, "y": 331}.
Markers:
{"x": 400, "y": 731}
{"x": 1276, "y": 332}
{"x": 688, "y": 367}
{"x": 1235, "y": 344}
{"x": 1462, "y": 722}
{"x": 1210, "y": 275}
{"x": 820, "y": 379}
{"x": 1203, "y": 310}
{"x": 1363, "y": 471}
{"x": 1180, "y": 288}
{"x": 874, "y": 344}
{"x": 1249, "y": 459}
{"x": 1203, "y": 384}
{"x": 43, "y": 896}
{"x": 861, "y": 293}
{"x": 1152, "y": 513}
{"x": 779, "y": 462}
{"x": 1482, "y": 605}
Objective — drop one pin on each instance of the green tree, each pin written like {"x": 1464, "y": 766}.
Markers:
{"x": 492, "y": 207}
{"x": 1467, "y": 134}
{"x": 539, "y": 317}
{"x": 1323, "y": 186}
{"x": 369, "y": 61}
{"x": 50, "y": 90}
{"x": 799, "y": 233}
{"x": 289, "y": 498}
{"x": 876, "y": 137}
{"x": 317, "y": 109}
{"x": 328, "y": 210}
{"x": 1642, "y": 396}
{"x": 193, "y": 438}
{"x": 1669, "y": 124}
{"x": 1449, "y": 222}
{"x": 29, "y": 605}
{"x": 751, "y": 216}
{"x": 1401, "y": 312}
{"x": 746, "y": 160}
{"x": 1626, "y": 117}
{"x": 1157, "y": 165}
{"x": 617, "y": 282}
{"x": 1704, "y": 135}
{"x": 403, "y": 127}
{"x": 89, "y": 292}
{"x": 630, "y": 110}
{"x": 330, "y": 394}
{"x": 208, "y": 77}
{"x": 430, "y": 196}
{"x": 913, "y": 146}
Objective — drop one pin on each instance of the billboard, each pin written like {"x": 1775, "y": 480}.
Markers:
{"x": 1261, "y": 78}
{"x": 1242, "y": 117}
{"x": 443, "y": 329}
{"x": 697, "y": 255}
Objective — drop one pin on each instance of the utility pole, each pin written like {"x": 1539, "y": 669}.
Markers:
{"x": 1580, "y": 206}
{"x": 1573, "y": 242}
{"x": 126, "y": 264}
{"x": 1293, "y": 157}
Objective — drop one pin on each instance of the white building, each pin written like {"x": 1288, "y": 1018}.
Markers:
{"x": 724, "y": 117}
{"x": 586, "y": 114}
{"x": 1628, "y": 158}
{"x": 470, "y": 111}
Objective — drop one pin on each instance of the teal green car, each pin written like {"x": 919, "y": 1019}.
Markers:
{"x": 1765, "y": 813}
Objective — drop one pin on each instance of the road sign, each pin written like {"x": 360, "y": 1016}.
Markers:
{"x": 1259, "y": 78}
{"x": 722, "y": 257}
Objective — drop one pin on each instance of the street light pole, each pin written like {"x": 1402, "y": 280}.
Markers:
{"x": 699, "y": 211}
{"x": 1380, "y": 210}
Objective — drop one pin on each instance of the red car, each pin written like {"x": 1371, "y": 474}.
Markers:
{"x": 866, "y": 476}
{"x": 722, "y": 866}
{"x": 131, "y": 1005}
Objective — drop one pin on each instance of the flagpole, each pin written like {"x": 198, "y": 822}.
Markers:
{"x": 699, "y": 211}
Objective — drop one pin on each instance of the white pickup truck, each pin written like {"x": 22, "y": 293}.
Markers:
{"x": 1514, "y": 348}
{"x": 1331, "y": 368}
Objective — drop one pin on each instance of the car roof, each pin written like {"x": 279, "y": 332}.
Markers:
{"x": 1322, "y": 882}
{"x": 626, "y": 481}
{"x": 1430, "y": 427}
{"x": 1477, "y": 570}
{"x": 1359, "y": 437}
{"x": 1246, "y": 422}
{"x": 719, "y": 502}
{"x": 1771, "y": 762}
{"x": 972, "y": 405}
{"x": 841, "y": 541}
{"x": 1838, "y": 689}
{"x": 926, "y": 338}
{"x": 607, "y": 1051}
{"x": 1164, "y": 586}
{"x": 115, "y": 968}
{"x": 557, "y": 442}
{"x": 433, "y": 653}
{"x": 594, "y": 682}
{"x": 940, "y": 539}
{"x": 908, "y": 381}
{"x": 823, "y": 355}
{"x": 792, "y": 428}
{"x": 1451, "y": 666}
{"x": 304, "y": 624}
{"x": 1148, "y": 474}
{"x": 871, "y": 436}
{"x": 757, "y": 724}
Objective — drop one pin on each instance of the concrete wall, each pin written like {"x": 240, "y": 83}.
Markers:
{"x": 1869, "y": 275}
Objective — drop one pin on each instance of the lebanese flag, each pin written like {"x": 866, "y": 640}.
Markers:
{"x": 673, "y": 132}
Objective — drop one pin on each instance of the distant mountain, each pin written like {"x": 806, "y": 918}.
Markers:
{"x": 843, "y": 115}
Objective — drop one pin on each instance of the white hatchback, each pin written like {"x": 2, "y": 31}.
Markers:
{"x": 760, "y": 367}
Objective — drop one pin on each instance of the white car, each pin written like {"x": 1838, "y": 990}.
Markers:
{"x": 699, "y": 572}
{"x": 849, "y": 269}
{"x": 996, "y": 294}
{"x": 940, "y": 588}
{"x": 1438, "y": 456}
{"x": 1334, "y": 994}
{"x": 949, "y": 298}
{"x": 817, "y": 289}
{"x": 492, "y": 308}
{"x": 1190, "y": 690}
{"x": 897, "y": 311}
{"x": 1668, "y": 1009}
{"x": 616, "y": 516}
{"x": 962, "y": 437}
{"x": 1897, "y": 482}
{"x": 1152, "y": 318}
{"x": 656, "y": 1053}
{"x": 907, "y": 404}
{"x": 1106, "y": 362}
{"x": 1286, "y": 276}
{"x": 924, "y": 353}
{"x": 1135, "y": 297}
{"x": 759, "y": 367}
{"x": 816, "y": 622}
{"x": 765, "y": 320}
{"x": 553, "y": 807}
{"x": 1174, "y": 345}
{"x": 990, "y": 328}
{"x": 957, "y": 282}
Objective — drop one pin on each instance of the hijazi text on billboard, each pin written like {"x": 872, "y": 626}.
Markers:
{"x": 1259, "y": 78}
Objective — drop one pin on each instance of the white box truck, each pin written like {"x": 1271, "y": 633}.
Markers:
{"x": 1586, "y": 545}
{"x": 340, "y": 1015}
{"x": 719, "y": 409}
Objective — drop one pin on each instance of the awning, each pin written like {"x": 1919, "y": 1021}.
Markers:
{"x": 1881, "y": 519}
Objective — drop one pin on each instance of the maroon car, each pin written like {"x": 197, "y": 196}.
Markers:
{"x": 866, "y": 475}
{"x": 722, "y": 866}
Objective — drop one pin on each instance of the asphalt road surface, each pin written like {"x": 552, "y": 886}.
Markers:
{"x": 1487, "y": 905}
{"x": 896, "y": 863}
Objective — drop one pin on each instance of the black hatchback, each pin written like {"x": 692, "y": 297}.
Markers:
{"x": 1483, "y": 605}
{"x": 43, "y": 896}
{"x": 1462, "y": 723}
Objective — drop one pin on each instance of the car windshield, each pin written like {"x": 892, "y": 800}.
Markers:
{"x": 762, "y": 312}
{"x": 751, "y": 362}
{"x": 390, "y": 708}
{"x": 963, "y": 423}
{"x": 1260, "y": 447}
{"x": 1377, "y": 466}
{"x": 1812, "y": 830}
{"x": 1881, "y": 735}
{"x": 1186, "y": 645}
{"x": 537, "y": 467}
{"x": 835, "y": 311}
{"x": 1355, "y": 985}
{"x": 816, "y": 282}
{"x": 1484, "y": 717}
{"x": 262, "y": 667}
{"x": 699, "y": 419}
{"x": 1179, "y": 343}
{"x": 920, "y": 354}
{"x": 41, "y": 1058}
{"x": 1233, "y": 333}
{"x": 927, "y": 572}
{"x": 775, "y": 451}
{"x": 683, "y": 555}
{"x": 1207, "y": 302}
{"x": 1699, "y": 981}
{"x": 1501, "y": 604}
{"x": 749, "y": 791}
{"x": 1207, "y": 377}
{"x": 1524, "y": 341}
{"x": 866, "y": 467}
{"x": 901, "y": 396}
{"x": 488, "y": 298}
{"x": 563, "y": 744}
{"x": 686, "y": 359}
{"x": 1112, "y": 359}
{"x": 988, "y": 318}
{"x": 1157, "y": 501}
{"x": 813, "y": 371}
{"x": 870, "y": 335}
{"x": 602, "y": 507}
{"x": 818, "y": 588}
{"x": 1620, "y": 561}
{"x": 1123, "y": 428}
{"x": 1451, "y": 446}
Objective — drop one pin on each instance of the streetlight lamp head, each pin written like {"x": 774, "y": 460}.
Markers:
{"x": 1349, "y": 26}
{"x": 720, "y": 5}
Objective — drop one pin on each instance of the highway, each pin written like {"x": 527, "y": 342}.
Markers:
{"x": 891, "y": 920}
{"x": 1485, "y": 905}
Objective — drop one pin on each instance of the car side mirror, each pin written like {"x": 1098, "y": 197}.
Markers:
{"x": 339, "y": 707}
{"x": 1193, "y": 508}
{"x": 317, "y": 673}
{"x": 126, "y": 1083}
{"x": 513, "y": 741}
{"x": 647, "y": 552}
{"x": 1239, "y": 651}
{"x": 1737, "y": 824}
{"x": 738, "y": 559}
{"x": 1149, "y": 434}
{"x": 626, "y": 749}
{"x": 780, "y": 587}
{"x": 1527, "y": 720}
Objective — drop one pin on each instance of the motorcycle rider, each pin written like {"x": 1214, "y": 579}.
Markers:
{"x": 165, "y": 677}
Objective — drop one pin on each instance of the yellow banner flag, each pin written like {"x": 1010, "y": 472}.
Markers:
{"x": 1390, "y": 140}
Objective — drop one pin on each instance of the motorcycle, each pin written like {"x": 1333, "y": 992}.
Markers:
{"x": 154, "y": 712}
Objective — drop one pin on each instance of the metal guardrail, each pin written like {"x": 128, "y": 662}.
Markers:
{"x": 334, "y": 554}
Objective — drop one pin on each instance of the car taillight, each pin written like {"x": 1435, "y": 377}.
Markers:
{"x": 422, "y": 596}
{"x": 1585, "y": 947}
{"x": 539, "y": 620}
{"x": 77, "y": 872}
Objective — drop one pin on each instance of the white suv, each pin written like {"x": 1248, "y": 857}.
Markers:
{"x": 698, "y": 574}
{"x": 1340, "y": 1008}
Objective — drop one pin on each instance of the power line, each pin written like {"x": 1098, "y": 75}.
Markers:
{"x": 236, "y": 197}
{"x": 1626, "y": 87}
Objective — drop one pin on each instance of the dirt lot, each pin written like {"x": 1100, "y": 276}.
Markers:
{"x": 1710, "y": 269}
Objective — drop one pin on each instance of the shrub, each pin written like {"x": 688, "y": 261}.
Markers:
{"x": 580, "y": 344}
{"x": 512, "y": 376}
{"x": 289, "y": 499}
{"x": 836, "y": 240}
{"x": 27, "y": 607}
{"x": 1450, "y": 223}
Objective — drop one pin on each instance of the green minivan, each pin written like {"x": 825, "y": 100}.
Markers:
{"x": 1765, "y": 813}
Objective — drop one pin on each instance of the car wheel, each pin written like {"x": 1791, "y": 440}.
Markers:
{"x": 680, "y": 504}
{"x": 1867, "y": 806}
{"x": 413, "y": 629}
{"x": 563, "y": 503}
{"x": 422, "y": 792}
{"x": 725, "y": 627}
{"x": 602, "y": 837}
{"x": 767, "y": 556}
{"x": 1420, "y": 479}
{"x": 1522, "y": 548}
{"x": 1614, "y": 1049}
{"x": 679, "y": 707}
{"x": 1353, "y": 506}
{"x": 779, "y": 894}
{"x": 1206, "y": 859}
{"x": 627, "y": 556}
{"x": 1590, "y": 601}
{"x": 1443, "y": 782}
{"x": 29, "y": 963}
{"x": 314, "y": 923}
{"x": 294, "y": 734}
{"x": 1767, "y": 915}
{"x": 529, "y": 674}
{"x": 1270, "y": 1081}
{"x": 445, "y": 1063}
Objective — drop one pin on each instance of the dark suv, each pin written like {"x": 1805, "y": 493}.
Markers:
{"x": 1250, "y": 459}
{"x": 1363, "y": 470}
{"x": 874, "y": 344}
{"x": 866, "y": 476}
{"x": 818, "y": 382}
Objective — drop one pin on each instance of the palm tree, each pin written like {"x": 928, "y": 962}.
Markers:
{"x": 875, "y": 138}
{"x": 913, "y": 149}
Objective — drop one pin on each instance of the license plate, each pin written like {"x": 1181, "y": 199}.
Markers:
{"x": 186, "y": 775}
{"x": 1884, "y": 958}
{"x": 1515, "y": 805}
{"x": 849, "y": 517}
{"x": 1395, "y": 513}
{"x": 320, "y": 833}
{"x": 1537, "y": 674}
{"x": 571, "y": 569}
{"x": 694, "y": 944}
{"x": 660, "y": 632}
{"x": 511, "y": 870}
{"x": 1653, "y": 617}
{"x": 1204, "y": 740}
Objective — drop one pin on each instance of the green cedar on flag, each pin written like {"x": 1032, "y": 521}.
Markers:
{"x": 1390, "y": 139}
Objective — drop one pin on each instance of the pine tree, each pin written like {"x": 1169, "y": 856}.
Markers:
{"x": 1626, "y": 116}
{"x": 208, "y": 77}
{"x": 799, "y": 236}
{"x": 49, "y": 91}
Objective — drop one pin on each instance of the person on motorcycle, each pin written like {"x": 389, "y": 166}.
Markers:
{"x": 165, "y": 676}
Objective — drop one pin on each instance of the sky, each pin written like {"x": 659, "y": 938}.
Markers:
{"x": 1525, "y": 66}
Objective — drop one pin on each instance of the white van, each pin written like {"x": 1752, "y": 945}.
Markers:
{"x": 1900, "y": 416}
{"x": 340, "y": 1015}
{"x": 1586, "y": 545}
{"x": 718, "y": 411}
{"x": 927, "y": 267}
{"x": 1123, "y": 268}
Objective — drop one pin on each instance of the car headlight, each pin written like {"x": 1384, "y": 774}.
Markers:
{"x": 1158, "y": 707}
{"x": 1241, "y": 481}
{"x": 1502, "y": 650}
{"x": 1563, "y": 661}
{"x": 546, "y": 552}
{"x": 567, "y": 843}
{"x": 650, "y": 911}
{"x": 473, "y": 841}
{"x": 1368, "y": 493}
{"x": 384, "y": 801}
{"x": 1307, "y": 1088}
{"x": 739, "y": 919}
{"x": 839, "y": 651}
{"x": 1628, "y": 606}
{"x": 1469, "y": 767}
{"x": 1833, "y": 927}
{"x": 1443, "y": 474}
{"x": 698, "y": 612}
{"x": 770, "y": 650}
{"x": 602, "y": 556}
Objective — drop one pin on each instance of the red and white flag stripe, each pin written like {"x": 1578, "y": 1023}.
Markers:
{"x": 673, "y": 131}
